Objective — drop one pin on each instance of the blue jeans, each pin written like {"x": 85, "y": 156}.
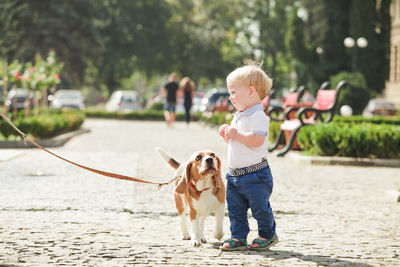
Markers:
{"x": 250, "y": 191}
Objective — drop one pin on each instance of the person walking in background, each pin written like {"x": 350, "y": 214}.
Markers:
{"x": 187, "y": 86}
{"x": 169, "y": 92}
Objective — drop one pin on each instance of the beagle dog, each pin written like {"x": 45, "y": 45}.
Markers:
{"x": 200, "y": 190}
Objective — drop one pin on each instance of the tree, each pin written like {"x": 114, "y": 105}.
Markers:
{"x": 38, "y": 26}
{"x": 371, "y": 20}
{"x": 202, "y": 40}
{"x": 301, "y": 55}
{"x": 326, "y": 26}
{"x": 328, "y": 23}
{"x": 134, "y": 36}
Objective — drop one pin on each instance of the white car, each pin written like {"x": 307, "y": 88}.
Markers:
{"x": 380, "y": 107}
{"x": 68, "y": 99}
{"x": 124, "y": 101}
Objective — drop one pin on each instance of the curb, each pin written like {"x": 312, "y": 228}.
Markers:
{"x": 56, "y": 141}
{"x": 346, "y": 161}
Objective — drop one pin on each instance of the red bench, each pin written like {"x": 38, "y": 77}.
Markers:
{"x": 325, "y": 105}
{"x": 267, "y": 99}
{"x": 290, "y": 101}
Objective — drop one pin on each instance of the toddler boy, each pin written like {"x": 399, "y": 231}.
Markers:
{"x": 249, "y": 181}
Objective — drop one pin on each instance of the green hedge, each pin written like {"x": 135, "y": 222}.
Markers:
{"x": 376, "y": 119}
{"x": 149, "y": 114}
{"x": 355, "y": 136}
{"x": 364, "y": 140}
{"x": 46, "y": 125}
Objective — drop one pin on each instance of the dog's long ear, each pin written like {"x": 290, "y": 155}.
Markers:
{"x": 219, "y": 163}
{"x": 188, "y": 169}
{"x": 183, "y": 182}
{"x": 181, "y": 186}
{"x": 218, "y": 179}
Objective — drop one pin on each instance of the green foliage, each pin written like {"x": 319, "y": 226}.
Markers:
{"x": 45, "y": 125}
{"x": 157, "y": 106}
{"x": 325, "y": 27}
{"x": 103, "y": 42}
{"x": 371, "y": 21}
{"x": 134, "y": 35}
{"x": 356, "y": 94}
{"x": 67, "y": 27}
{"x": 148, "y": 114}
{"x": 351, "y": 140}
{"x": 362, "y": 119}
{"x": 274, "y": 128}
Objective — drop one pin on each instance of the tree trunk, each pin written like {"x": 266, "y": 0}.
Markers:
{"x": 45, "y": 102}
{"x": 5, "y": 85}
{"x": 28, "y": 103}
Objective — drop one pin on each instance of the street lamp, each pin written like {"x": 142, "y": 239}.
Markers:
{"x": 350, "y": 43}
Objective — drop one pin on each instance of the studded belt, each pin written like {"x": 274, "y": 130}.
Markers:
{"x": 249, "y": 169}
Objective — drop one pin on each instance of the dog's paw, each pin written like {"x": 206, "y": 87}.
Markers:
{"x": 196, "y": 243}
{"x": 218, "y": 234}
{"x": 186, "y": 237}
{"x": 203, "y": 240}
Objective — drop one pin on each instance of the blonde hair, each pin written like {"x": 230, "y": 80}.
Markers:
{"x": 251, "y": 75}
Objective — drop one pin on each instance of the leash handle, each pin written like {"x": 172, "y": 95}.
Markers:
{"x": 104, "y": 173}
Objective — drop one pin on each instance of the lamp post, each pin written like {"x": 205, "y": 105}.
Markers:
{"x": 350, "y": 43}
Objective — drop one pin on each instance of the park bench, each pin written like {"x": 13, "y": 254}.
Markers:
{"x": 265, "y": 102}
{"x": 290, "y": 101}
{"x": 323, "y": 111}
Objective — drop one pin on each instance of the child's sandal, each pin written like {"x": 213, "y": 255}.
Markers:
{"x": 264, "y": 244}
{"x": 234, "y": 245}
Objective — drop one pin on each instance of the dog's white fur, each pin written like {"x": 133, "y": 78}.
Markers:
{"x": 199, "y": 190}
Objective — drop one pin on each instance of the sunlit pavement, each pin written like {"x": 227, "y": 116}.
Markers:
{"x": 53, "y": 213}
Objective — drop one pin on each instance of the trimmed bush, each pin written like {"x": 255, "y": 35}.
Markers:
{"x": 148, "y": 114}
{"x": 356, "y": 94}
{"x": 46, "y": 125}
{"x": 375, "y": 120}
{"x": 351, "y": 140}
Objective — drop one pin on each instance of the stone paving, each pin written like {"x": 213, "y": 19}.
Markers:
{"x": 55, "y": 214}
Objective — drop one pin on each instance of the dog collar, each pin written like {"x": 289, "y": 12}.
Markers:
{"x": 195, "y": 188}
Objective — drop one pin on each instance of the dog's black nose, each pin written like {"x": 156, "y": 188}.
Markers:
{"x": 209, "y": 161}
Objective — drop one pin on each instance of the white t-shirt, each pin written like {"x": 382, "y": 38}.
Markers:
{"x": 251, "y": 120}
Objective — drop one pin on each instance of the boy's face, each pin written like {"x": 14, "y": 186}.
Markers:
{"x": 239, "y": 95}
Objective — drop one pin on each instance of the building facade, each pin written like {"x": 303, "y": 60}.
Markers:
{"x": 392, "y": 91}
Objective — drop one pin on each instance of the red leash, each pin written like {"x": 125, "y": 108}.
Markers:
{"x": 108, "y": 174}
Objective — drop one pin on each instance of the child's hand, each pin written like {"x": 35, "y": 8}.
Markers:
{"x": 222, "y": 129}
{"x": 230, "y": 133}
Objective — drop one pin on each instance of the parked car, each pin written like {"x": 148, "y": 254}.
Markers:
{"x": 67, "y": 98}
{"x": 379, "y": 106}
{"x": 217, "y": 100}
{"x": 124, "y": 101}
{"x": 18, "y": 94}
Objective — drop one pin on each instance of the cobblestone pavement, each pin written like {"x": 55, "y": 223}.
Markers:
{"x": 52, "y": 213}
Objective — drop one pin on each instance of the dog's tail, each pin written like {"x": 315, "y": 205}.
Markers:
{"x": 170, "y": 161}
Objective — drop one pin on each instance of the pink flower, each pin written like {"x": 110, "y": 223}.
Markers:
{"x": 57, "y": 76}
{"x": 42, "y": 77}
{"x": 17, "y": 74}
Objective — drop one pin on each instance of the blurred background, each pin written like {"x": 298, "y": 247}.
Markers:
{"x": 102, "y": 47}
